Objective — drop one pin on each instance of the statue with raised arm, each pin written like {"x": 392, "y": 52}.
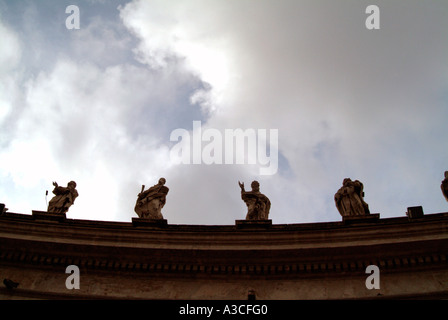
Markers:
{"x": 349, "y": 199}
{"x": 444, "y": 186}
{"x": 63, "y": 199}
{"x": 258, "y": 205}
{"x": 150, "y": 202}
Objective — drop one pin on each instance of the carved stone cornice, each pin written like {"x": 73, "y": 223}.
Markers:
{"x": 288, "y": 250}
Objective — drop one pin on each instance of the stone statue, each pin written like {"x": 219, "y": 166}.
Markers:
{"x": 444, "y": 186}
{"x": 3, "y": 209}
{"x": 258, "y": 205}
{"x": 63, "y": 199}
{"x": 349, "y": 199}
{"x": 150, "y": 202}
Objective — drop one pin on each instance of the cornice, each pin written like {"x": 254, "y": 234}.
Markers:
{"x": 278, "y": 250}
{"x": 281, "y": 236}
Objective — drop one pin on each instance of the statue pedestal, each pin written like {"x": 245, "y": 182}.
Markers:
{"x": 44, "y": 215}
{"x": 414, "y": 212}
{"x": 155, "y": 223}
{"x": 253, "y": 224}
{"x": 368, "y": 218}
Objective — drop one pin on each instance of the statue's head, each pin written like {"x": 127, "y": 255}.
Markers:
{"x": 71, "y": 184}
{"x": 446, "y": 174}
{"x": 162, "y": 181}
{"x": 255, "y": 185}
{"x": 346, "y": 181}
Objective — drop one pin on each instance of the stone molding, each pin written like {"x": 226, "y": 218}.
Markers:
{"x": 152, "y": 223}
{"x": 253, "y": 224}
{"x": 240, "y": 250}
{"x": 44, "y": 215}
{"x": 149, "y": 259}
{"x": 369, "y": 218}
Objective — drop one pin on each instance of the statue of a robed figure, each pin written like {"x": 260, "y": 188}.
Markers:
{"x": 258, "y": 205}
{"x": 349, "y": 199}
{"x": 63, "y": 199}
{"x": 150, "y": 202}
{"x": 444, "y": 186}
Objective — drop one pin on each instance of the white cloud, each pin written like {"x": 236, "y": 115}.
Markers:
{"x": 10, "y": 51}
{"x": 177, "y": 30}
{"x": 10, "y": 54}
{"x": 77, "y": 125}
{"x": 347, "y": 102}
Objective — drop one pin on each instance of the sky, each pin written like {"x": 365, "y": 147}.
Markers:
{"x": 98, "y": 104}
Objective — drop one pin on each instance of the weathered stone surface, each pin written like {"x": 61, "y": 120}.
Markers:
{"x": 414, "y": 212}
{"x": 143, "y": 222}
{"x": 288, "y": 261}
{"x": 149, "y": 203}
{"x": 253, "y": 224}
{"x": 374, "y": 217}
{"x": 349, "y": 199}
{"x": 64, "y": 198}
{"x": 258, "y": 205}
{"x": 444, "y": 186}
{"x": 44, "y": 215}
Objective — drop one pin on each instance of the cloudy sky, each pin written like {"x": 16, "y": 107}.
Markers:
{"x": 98, "y": 104}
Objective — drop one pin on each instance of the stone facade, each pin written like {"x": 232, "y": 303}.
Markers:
{"x": 150, "y": 260}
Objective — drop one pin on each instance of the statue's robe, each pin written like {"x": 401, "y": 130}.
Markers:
{"x": 150, "y": 202}
{"x": 63, "y": 199}
{"x": 349, "y": 200}
{"x": 444, "y": 187}
{"x": 258, "y": 205}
